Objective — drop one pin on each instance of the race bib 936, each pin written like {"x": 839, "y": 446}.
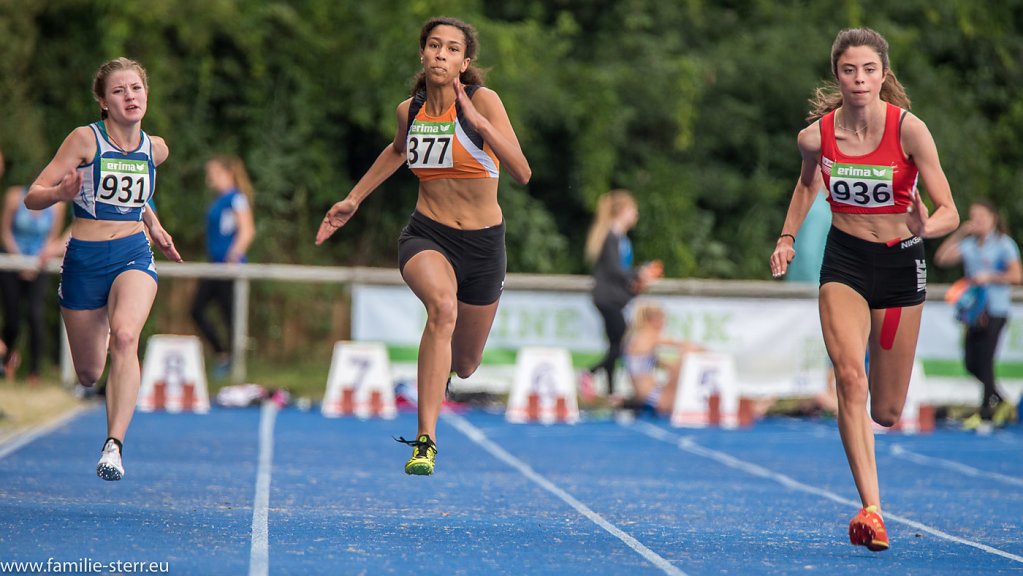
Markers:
{"x": 863, "y": 186}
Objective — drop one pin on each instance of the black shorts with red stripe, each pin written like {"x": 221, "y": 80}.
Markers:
{"x": 887, "y": 274}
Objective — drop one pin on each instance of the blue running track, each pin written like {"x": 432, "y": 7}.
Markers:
{"x": 261, "y": 491}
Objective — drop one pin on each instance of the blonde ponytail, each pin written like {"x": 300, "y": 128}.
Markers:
{"x": 608, "y": 206}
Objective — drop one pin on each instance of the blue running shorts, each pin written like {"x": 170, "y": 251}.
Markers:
{"x": 90, "y": 268}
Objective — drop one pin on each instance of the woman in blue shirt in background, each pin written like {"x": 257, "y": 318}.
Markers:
{"x": 990, "y": 259}
{"x": 230, "y": 230}
{"x": 30, "y": 233}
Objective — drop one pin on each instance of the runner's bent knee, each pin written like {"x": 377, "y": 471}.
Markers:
{"x": 885, "y": 414}
{"x": 441, "y": 313}
{"x": 88, "y": 377}
{"x": 466, "y": 367}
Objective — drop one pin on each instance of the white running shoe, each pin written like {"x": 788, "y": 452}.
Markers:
{"x": 109, "y": 467}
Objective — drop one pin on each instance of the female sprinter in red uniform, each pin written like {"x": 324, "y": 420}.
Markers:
{"x": 454, "y": 134}
{"x": 869, "y": 151}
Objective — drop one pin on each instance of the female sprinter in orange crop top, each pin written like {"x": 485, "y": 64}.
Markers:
{"x": 454, "y": 134}
{"x": 108, "y": 278}
{"x": 869, "y": 151}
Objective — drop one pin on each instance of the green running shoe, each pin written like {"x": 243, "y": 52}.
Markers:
{"x": 423, "y": 455}
{"x": 1005, "y": 413}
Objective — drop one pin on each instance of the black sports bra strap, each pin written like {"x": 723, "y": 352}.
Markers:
{"x": 413, "y": 108}
{"x": 473, "y": 135}
{"x": 420, "y": 98}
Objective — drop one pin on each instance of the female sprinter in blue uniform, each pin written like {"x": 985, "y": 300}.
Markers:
{"x": 454, "y": 134}
{"x": 108, "y": 280}
{"x": 869, "y": 151}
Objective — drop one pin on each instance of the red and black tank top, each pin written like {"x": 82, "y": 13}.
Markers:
{"x": 881, "y": 182}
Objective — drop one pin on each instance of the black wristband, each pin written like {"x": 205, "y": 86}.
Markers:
{"x": 780, "y": 236}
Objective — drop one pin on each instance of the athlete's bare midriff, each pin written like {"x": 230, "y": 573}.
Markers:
{"x": 101, "y": 230}
{"x": 467, "y": 204}
{"x": 872, "y": 227}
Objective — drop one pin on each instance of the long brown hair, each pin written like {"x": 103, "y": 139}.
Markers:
{"x": 472, "y": 74}
{"x": 996, "y": 214}
{"x": 236, "y": 167}
{"x": 99, "y": 83}
{"x": 608, "y": 206}
{"x": 828, "y": 97}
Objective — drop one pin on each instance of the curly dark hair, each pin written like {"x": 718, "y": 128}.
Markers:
{"x": 472, "y": 74}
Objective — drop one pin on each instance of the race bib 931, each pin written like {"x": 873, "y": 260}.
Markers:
{"x": 124, "y": 183}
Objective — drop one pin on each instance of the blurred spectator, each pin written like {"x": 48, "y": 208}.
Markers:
{"x": 806, "y": 267}
{"x": 652, "y": 360}
{"x": 30, "y": 233}
{"x": 616, "y": 281}
{"x": 810, "y": 241}
{"x": 3, "y": 346}
{"x": 230, "y": 229}
{"x": 991, "y": 263}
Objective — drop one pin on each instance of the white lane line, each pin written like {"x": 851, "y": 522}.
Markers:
{"x": 18, "y": 441}
{"x": 688, "y": 445}
{"x": 898, "y": 450}
{"x": 259, "y": 554}
{"x": 478, "y": 437}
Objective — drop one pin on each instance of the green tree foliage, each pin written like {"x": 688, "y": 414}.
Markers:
{"x": 693, "y": 105}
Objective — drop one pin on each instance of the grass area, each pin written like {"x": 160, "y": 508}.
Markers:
{"x": 27, "y": 404}
{"x": 491, "y": 355}
{"x": 306, "y": 378}
{"x": 951, "y": 368}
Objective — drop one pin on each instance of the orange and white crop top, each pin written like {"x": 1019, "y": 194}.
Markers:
{"x": 446, "y": 146}
{"x": 881, "y": 182}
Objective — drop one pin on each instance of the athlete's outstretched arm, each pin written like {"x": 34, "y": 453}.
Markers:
{"x": 486, "y": 113}
{"x": 389, "y": 160}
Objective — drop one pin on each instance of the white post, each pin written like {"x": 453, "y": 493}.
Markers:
{"x": 240, "y": 329}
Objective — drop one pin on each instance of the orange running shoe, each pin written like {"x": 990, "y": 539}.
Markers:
{"x": 867, "y": 529}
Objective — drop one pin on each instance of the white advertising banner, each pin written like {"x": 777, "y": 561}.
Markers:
{"x": 392, "y": 314}
{"x": 776, "y": 343}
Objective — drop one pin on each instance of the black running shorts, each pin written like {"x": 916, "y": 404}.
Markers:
{"x": 477, "y": 256}
{"x": 887, "y": 275}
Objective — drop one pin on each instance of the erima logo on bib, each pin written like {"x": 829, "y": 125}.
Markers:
{"x": 124, "y": 166}
{"x": 432, "y": 128}
{"x": 870, "y": 172}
